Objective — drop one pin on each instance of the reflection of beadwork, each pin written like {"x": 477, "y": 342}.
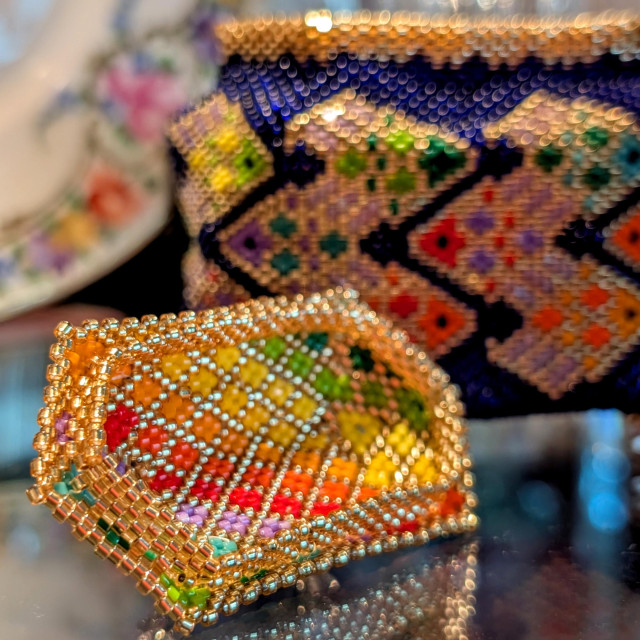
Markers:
{"x": 416, "y": 598}
{"x": 474, "y": 190}
{"x": 223, "y": 455}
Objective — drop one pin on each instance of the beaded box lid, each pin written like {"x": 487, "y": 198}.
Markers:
{"x": 477, "y": 181}
{"x": 221, "y": 455}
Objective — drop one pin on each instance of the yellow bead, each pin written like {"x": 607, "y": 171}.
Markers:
{"x": 202, "y": 381}
{"x": 198, "y": 160}
{"x": 228, "y": 141}
{"x": 174, "y": 365}
{"x": 360, "y": 429}
{"x": 401, "y": 439}
{"x": 221, "y": 179}
{"x": 253, "y": 373}
{"x": 256, "y": 417}
{"x": 226, "y": 357}
{"x": 380, "y": 472}
{"x": 304, "y": 407}
{"x": 425, "y": 470}
{"x": 283, "y": 434}
{"x": 233, "y": 399}
{"x": 315, "y": 443}
{"x": 278, "y": 391}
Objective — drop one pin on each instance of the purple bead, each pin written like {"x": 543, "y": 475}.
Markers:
{"x": 270, "y": 522}
{"x": 240, "y": 528}
{"x": 197, "y": 520}
{"x": 266, "y": 532}
{"x": 201, "y": 511}
{"x": 230, "y": 516}
{"x": 182, "y": 516}
{"x": 244, "y": 519}
{"x": 121, "y": 468}
{"x": 284, "y": 524}
{"x": 225, "y": 524}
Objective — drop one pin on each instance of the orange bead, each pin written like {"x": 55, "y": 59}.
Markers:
{"x": 206, "y": 427}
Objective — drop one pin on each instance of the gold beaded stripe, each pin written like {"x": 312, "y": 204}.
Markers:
{"x": 442, "y": 40}
{"x": 107, "y": 499}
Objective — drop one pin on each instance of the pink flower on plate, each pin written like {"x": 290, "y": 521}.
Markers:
{"x": 111, "y": 198}
{"x": 144, "y": 99}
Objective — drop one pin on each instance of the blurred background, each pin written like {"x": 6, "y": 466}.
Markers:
{"x": 88, "y": 229}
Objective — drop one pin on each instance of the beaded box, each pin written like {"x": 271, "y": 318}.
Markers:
{"x": 222, "y": 455}
{"x": 477, "y": 181}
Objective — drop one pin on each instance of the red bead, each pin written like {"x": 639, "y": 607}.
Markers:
{"x": 164, "y": 481}
{"x": 323, "y": 508}
{"x": 452, "y": 503}
{"x": 118, "y": 426}
{"x": 403, "y": 305}
{"x": 286, "y": 506}
{"x": 246, "y": 498}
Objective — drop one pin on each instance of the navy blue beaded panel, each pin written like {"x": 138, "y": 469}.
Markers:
{"x": 493, "y": 211}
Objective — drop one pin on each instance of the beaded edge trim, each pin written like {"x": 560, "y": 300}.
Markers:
{"x": 443, "y": 40}
{"x": 123, "y": 500}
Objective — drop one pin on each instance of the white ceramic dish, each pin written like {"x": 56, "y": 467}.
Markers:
{"x": 87, "y": 89}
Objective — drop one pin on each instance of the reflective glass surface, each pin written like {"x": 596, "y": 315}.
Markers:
{"x": 554, "y": 558}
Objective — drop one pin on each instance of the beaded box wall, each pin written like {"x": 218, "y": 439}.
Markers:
{"x": 477, "y": 181}
{"x": 222, "y": 455}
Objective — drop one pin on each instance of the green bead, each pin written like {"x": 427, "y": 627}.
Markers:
{"x": 372, "y": 141}
{"x": 198, "y": 597}
{"x": 333, "y": 244}
{"x": 597, "y": 177}
{"x": 222, "y": 546}
{"x": 394, "y": 207}
{"x": 244, "y": 580}
{"x": 402, "y": 181}
{"x": 150, "y": 555}
{"x": 103, "y": 524}
{"x": 325, "y": 382}
{"x": 351, "y": 163}
{"x": 361, "y": 358}
{"x": 124, "y": 544}
{"x": 283, "y": 226}
{"x": 112, "y": 536}
{"x": 440, "y": 160}
{"x": 87, "y": 496}
{"x": 549, "y": 157}
{"x": 371, "y": 184}
{"x": 285, "y": 262}
{"x": 382, "y": 163}
{"x": 61, "y": 488}
{"x": 317, "y": 341}
{"x": 274, "y": 347}
{"x": 342, "y": 388}
{"x": 400, "y": 141}
{"x": 373, "y": 394}
{"x": 165, "y": 580}
{"x": 300, "y": 363}
{"x": 411, "y": 407}
{"x": 596, "y": 137}
{"x": 173, "y": 593}
{"x": 249, "y": 163}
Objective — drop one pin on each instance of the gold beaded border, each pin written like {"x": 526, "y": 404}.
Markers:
{"x": 441, "y": 39}
{"x": 123, "y": 502}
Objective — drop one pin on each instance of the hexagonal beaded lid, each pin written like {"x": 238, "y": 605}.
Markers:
{"x": 222, "y": 455}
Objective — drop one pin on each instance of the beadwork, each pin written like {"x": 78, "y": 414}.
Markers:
{"x": 415, "y": 597}
{"x": 221, "y": 455}
{"x": 477, "y": 181}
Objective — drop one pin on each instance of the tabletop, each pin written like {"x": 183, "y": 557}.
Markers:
{"x": 554, "y": 558}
